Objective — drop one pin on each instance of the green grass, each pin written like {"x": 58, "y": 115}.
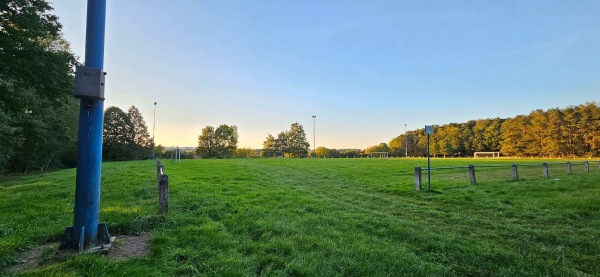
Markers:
{"x": 324, "y": 217}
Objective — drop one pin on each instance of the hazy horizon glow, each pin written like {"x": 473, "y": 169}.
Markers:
{"x": 365, "y": 69}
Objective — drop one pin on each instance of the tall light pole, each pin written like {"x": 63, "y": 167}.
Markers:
{"x": 87, "y": 233}
{"x": 314, "y": 137}
{"x": 153, "y": 127}
{"x": 405, "y": 143}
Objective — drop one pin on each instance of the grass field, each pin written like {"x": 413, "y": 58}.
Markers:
{"x": 323, "y": 217}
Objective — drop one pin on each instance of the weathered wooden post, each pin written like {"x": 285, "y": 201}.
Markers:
{"x": 418, "y": 178}
{"x": 472, "y": 174}
{"x": 515, "y": 172}
{"x": 163, "y": 194}
{"x": 569, "y": 168}
{"x": 158, "y": 169}
{"x": 545, "y": 170}
{"x": 586, "y": 166}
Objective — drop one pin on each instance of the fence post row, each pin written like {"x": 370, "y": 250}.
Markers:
{"x": 418, "y": 178}
{"x": 515, "y": 172}
{"x": 472, "y": 174}
{"x": 163, "y": 188}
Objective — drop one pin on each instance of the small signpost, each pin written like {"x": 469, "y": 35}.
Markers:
{"x": 428, "y": 132}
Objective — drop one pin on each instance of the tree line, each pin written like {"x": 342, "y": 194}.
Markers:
{"x": 567, "y": 132}
{"x": 38, "y": 114}
{"x": 222, "y": 143}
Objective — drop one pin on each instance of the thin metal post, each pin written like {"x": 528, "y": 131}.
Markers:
{"x": 515, "y": 172}
{"x": 545, "y": 170}
{"x": 153, "y": 128}
{"x": 84, "y": 232}
{"x": 428, "y": 166}
{"x": 472, "y": 174}
{"x": 405, "y": 143}
{"x": 569, "y": 168}
{"x": 586, "y": 166}
{"x": 314, "y": 136}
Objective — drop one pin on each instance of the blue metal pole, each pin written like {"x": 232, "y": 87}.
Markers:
{"x": 89, "y": 159}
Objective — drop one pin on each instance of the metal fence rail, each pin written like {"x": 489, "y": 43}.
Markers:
{"x": 517, "y": 170}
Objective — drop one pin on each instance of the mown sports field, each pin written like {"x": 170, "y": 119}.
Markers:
{"x": 317, "y": 217}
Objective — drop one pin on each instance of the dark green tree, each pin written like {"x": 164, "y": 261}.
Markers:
{"x": 206, "y": 143}
{"x": 226, "y": 138}
{"x": 350, "y": 152}
{"x": 36, "y": 86}
{"x": 117, "y": 139}
{"x": 297, "y": 143}
{"x": 217, "y": 143}
{"x": 281, "y": 144}
{"x": 142, "y": 144}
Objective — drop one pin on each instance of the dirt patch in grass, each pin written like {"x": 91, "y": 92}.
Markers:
{"x": 123, "y": 248}
{"x": 127, "y": 247}
{"x": 33, "y": 257}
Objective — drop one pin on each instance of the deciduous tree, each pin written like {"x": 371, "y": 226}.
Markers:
{"x": 269, "y": 149}
{"x": 139, "y": 134}
{"x": 117, "y": 139}
{"x": 297, "y": 143}
{"x": 217, "y": 143}
{"x": 36, "y": 86}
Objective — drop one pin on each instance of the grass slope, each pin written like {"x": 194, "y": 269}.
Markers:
{"x": 304, "y": 217}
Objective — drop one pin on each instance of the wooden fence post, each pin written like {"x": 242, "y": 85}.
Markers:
{"x": 163, "y": 194}
{"x": 472, "y": 174}
{"x": 545, "y": 170}
{"x": 158, "y": 165}
{"x": 569, "y": 168}
{"x": 418, "y": 178}
{"x": 515, "y": 172}
{"x": 586, "y": 166}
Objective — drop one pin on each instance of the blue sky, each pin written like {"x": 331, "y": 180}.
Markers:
{"x": 364, "y": 68}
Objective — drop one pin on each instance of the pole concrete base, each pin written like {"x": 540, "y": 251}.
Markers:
{"x": 101, "y": 244}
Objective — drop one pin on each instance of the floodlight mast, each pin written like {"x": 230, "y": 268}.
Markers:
{"x": 86, "y": 233}
{"x": 428, "y": 131}
{"x": 405, "y": 143}
{"x": 153, "y": 128}
{"x": 314, "y": 137}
